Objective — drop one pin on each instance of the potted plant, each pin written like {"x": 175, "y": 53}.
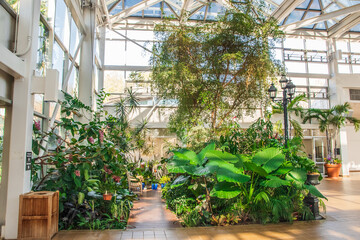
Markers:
{"x": 335, "y": 117}
{"x": 332, "y": 167}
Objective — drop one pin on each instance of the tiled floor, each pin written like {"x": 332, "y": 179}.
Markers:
{"x": 343, "y": 222}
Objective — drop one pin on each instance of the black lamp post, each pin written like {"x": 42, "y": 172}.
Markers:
{"x": 288, "y": 88}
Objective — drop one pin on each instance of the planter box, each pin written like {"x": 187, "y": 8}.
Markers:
{"x": 38, "y": 215}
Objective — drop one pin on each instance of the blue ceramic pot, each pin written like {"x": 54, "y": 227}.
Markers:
{"x": 162, "y": 185}
{"x": 143, "y": 185}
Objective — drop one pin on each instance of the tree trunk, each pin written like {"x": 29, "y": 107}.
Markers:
{"x": 328, "y": 143}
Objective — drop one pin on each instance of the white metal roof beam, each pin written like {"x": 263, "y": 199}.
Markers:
{"x": 105, "y": 10}
{"x": 171, "y": 3}
{"x": 320, "y": 18}
{"x": 77, "y": 15}
{"x": 134, "y": 9}
{"x": 285, "y": 9}
{"x": 345, "y": 25}
{"x": 226, "y": 3}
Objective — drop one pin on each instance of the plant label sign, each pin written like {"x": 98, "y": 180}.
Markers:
{"x": 28, "y": 161}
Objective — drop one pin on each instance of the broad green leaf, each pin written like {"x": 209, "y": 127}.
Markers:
{"x": 224, "y": 156}
{"x": 271, "y": 159}
{"x": 77, "y": 182}
{"x": 240, "y": 162}
{"x": 297, "y": 174}
{"x": 201, "y": 171}
{"x": 250, "y": 166}
{"x": 177, "y": 165}
{"x": 225, "y": 190}
{"x": 314, "y": 191}
{"x": 231, "y": 174}
{"x": 275, "y": 182}
{"x": 189, "y": 156}
{"x": 282, "y": 170}
{"x": 179, "y": 181}
{"x": 203, "y": 152}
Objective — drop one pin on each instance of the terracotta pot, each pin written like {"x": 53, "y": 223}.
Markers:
{"x": 333, "y": 170}
{"x": 107, "y": 197}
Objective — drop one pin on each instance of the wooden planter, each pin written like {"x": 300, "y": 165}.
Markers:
{"x": 333, "y": 170}
{"x": 38, "y": 215}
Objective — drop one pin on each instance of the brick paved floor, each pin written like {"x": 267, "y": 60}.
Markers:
{"x": 343, "y": 221}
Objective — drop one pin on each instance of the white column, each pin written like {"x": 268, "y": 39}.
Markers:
{"x": 102, "y": 56}
{"x": 22, "y": 115}
{"x": 344, "y": 152}
{"x": 87, "y": 63}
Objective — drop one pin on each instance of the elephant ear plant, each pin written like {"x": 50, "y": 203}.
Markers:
{"x": 263, "y": 187}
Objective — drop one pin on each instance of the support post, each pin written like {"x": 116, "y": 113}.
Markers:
{"x": 22, "y": 115}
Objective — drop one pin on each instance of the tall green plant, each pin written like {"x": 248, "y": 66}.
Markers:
{"x": 335, "y": 117}
{"x": 214, "y": 70}
{"x": 294, "y": 107}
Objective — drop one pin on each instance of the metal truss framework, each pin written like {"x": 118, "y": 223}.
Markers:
{"x": 329, "y": 18}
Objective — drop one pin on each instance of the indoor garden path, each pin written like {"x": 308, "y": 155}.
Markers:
{"x": 150, "y": 212}
{"x": 343, "y": 222}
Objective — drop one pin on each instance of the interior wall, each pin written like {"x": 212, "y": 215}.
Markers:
{"x": 6, "y": 85}
{"x": 7, "y": 26}
{"x": 353, "y": 142}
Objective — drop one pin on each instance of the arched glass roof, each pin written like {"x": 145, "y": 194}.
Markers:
{"x": 331, "y": 18}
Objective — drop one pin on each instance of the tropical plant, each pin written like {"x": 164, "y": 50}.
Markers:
{"x": 258, "y": 135}
{"x": 88, "y": 159}
{"x": 215, "y": 70}
{"x": 335, "y": 117}
{"x": 293, "y": 107}
{"x": 261, "y": 187}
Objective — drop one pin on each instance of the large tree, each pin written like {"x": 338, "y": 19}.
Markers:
{"x": 215, "y": 70}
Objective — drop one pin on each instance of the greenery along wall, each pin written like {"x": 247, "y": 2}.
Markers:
{"x": 85, "y": 161}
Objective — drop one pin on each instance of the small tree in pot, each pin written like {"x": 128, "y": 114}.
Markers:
{"x": 335, "y": 117}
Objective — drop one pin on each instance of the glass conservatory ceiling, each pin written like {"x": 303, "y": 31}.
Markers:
{"x": 333, "y": 18}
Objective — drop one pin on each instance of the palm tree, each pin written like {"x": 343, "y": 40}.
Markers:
{"x": 335, "y": 117}
{"x": 293, "y": 107}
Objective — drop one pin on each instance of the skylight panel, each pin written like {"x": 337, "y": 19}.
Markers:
{"x": 130, "y": 3}
{"x": 304, "y": 5}
{"x": 199, "y": 15}
{"x": 315, "y": 5}
{"x": 321, "y": 26}
{"x": 294, "y": 16}
{"x": 311, "y": 14}
{"x": 355, "y": 29}
{"x": 330, "y": 23}
{"x": 326, "y": 3}
{"x": 153, "y": 11}
{"x": 332, "y": 7}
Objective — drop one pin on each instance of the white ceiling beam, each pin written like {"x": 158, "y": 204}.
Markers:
{"x": 225, "y": 3}
{"x": 272, "y": 2}
{"x": 173, "y": 4}
{"x": 321, "y": 18}
{"x": 195, "y": 5}
{"x": 344, "y": 25}
{"x": 105, "y": 10}
{"x": 285, "y": 9}
{"x": 134, "y": 9}
{"x": 77, "y": 15}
